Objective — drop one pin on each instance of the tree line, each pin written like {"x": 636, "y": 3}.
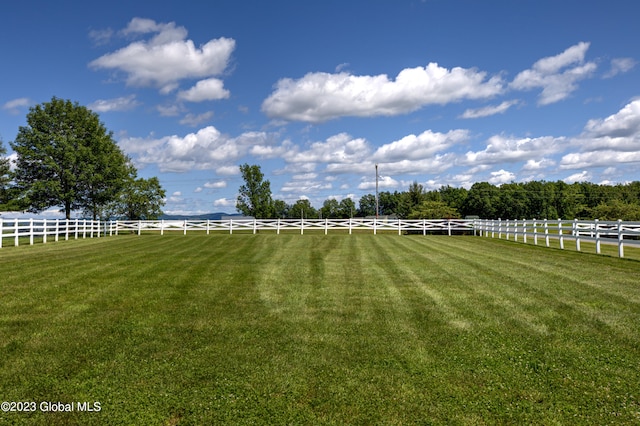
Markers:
{"x": 528, "y": 200}
{"x": 66, "y": 158}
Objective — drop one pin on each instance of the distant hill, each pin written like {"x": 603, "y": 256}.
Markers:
{"x": 206, "y": 216}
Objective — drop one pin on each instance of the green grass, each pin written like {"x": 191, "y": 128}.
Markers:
{"x": 314, "y": 329}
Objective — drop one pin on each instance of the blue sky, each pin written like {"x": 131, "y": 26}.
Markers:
{"x": 317, "y": 92}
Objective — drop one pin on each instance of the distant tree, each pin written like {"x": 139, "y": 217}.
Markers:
{"x": 367, "y": 205}
{"x": 616, "y": 209}
{"x": 303, "y": 209}
{"x": 280, "y": 209}
{"x": 346, "y": 208}
{"x": 434, "y": 210}
{"x": 5, "y": 178}
{"x": 482, "y": 200}
{"x": 254, "y": 198}
{"x": 66, "y": 157}
{"x": 140, "y": 199}
{"x": 330, "y": 209}
{"x": 409, "y": 200}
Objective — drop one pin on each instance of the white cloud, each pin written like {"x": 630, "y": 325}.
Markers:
{"x": 501, "y": 176}
{"x": 194, "y": 120}
{"x": 556, "y": 75}
{"x": 15, "y": 106}
{"x": 210, "y": 89}
{"x": 384, "y": 182}
{"x": 489, "y": 110}
{"x": 205, "y": 149}
{"x": 216, "y": 185}
{"x": 612, "y": 140}
{"x": 341, "y": 148}
{"x": 583, "y": 176}
{"x": 423, "y": 146}
{"x": 124, "y": 103}
{"x": 620, "y": 66}
{"x": 167, "y": 57}
{"x": 533, "y": 165}
{"x": 319, "y": 97}
{"x": 224, "y": 202}
{"x": 504, "y": 149}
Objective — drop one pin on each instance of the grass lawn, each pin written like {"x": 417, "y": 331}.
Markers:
{"x": 315, "y": 329}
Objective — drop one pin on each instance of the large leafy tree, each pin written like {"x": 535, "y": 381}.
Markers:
{"x": 6, "y": 197}
{"x": 254, "y": 198}
{"x": 66, "y": 157}
{"x": 141, "y": 199}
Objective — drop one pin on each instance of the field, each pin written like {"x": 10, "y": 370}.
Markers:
{"x": 314, "y": 329}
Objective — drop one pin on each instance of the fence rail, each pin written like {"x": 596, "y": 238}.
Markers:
{"x": 299, "y": 225}
{"x": 599, "y": 232}
{"x": 47, "y": 229}
{"x": 540, "y": 231}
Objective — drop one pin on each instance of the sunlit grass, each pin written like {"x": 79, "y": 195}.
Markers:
{"x": 315, "y": 329}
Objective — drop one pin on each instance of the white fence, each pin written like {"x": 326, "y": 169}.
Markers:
{"x": 298, "y": 225}
{"x": 48, "y": 229}
{"x": 599, "y": 232}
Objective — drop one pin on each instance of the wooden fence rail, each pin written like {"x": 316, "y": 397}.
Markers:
{"x": 47, "y": 229}
{"x": 578, "y": 231}
{"x": 599, "y": 232}
{"x": 299, "y": 225}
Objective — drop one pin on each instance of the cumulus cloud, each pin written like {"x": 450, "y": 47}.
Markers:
{"x": 15, "y": 106}
{"x": 203, "y": 150}
{"x": 583, "y": 176}
{"x": 194, "y": 120}
{"x": 507, "y": 149}
{"x": 124, "y": 103}
{"x": 167, "y": 57}
{"x": 319, "y": 97}
{"x": 501, "y": 176}
{"x": 556, "y": 75}
{"x": 489, "y": 110}
{"x": 612, "y": 140}
{"x": 341, "y": 148}
{"x": 210, "y": 89}
{"x": 620, "y": 66}
{"x": 422, "y": 146}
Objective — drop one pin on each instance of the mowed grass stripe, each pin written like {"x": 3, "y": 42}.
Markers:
{"x": 314, "y": 329}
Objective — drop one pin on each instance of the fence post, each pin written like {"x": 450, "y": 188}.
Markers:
{"x": 16, "y": 225}
{"x": 278, "y": 227}
{"x": 375, "y": 226}
{"x": 507, "y": 226}
{"x": 597, "y": 236}
{"x": 230, "y": 226}
{"x": 449, "y": 227}
{"x": 1, "y": 226}
{"x": 499, "y": 228}
{"x": 31, "y": 231}
{"x": 560, "y": 234}
{"x": 326, "y": 222}
{"x": 254, "y": 225}
{"x": 535, "y": 232}
{"x": 424, "y": 227}
{"x": 208, "y": 221}
{"x": 546, "y": 232}
{"x": 576, "y": 233}
{"x": 44, "y": 231}
{"x": 350, "y": 220}
{"x": 515, "y": 232}
{"x": 184, "y": 232}
{"x": 399, "y": 227}
{"x": 620, "y": 239}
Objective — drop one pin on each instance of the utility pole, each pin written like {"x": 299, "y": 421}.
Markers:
{"x": 377, "y": 209}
